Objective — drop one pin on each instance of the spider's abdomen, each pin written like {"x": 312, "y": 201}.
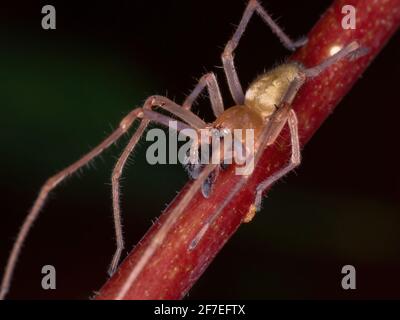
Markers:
{"x": 267, "y": 91}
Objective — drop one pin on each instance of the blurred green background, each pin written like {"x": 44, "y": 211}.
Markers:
{"x": 64, "y": 90}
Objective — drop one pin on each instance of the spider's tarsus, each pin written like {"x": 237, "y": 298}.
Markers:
{"x": 300, "y": 42}
{"x": 361, "y": 51}
{"x": 111, "y": 271}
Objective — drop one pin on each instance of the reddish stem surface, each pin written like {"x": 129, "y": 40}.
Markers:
{"x": 172, "y": 270}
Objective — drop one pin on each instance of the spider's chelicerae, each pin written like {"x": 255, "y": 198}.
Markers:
{"x": 265, "y": 107}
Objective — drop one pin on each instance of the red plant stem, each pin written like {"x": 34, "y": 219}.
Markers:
{"x": 172, "y": 269}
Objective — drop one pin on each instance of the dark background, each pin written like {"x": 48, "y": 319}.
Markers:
{"x": 63, "y": 90}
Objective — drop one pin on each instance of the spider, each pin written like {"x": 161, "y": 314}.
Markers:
{"x": 265, "y": 107}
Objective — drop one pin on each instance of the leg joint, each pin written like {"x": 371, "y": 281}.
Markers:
{"x": 116, "y": 174}
{"x": 228, "y": 51}
{"x": 153, "y": 101}
{"x": 253, "y": 3}
{"x": 208, "y": 77}
{"x": 128, "y": 120}
{"x": 52, "y": 182}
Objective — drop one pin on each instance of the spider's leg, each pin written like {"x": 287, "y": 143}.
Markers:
{"x": 148, "y": 115}
{"x": 236, "y": 154}
{"x": 267, "y": 137}
{"x": 284, "y": 114}
{"x": 165, "y": 228}
{"x": 287, "y": 42}
{"x": 115, "y": 191}
{"x": 50, "y": 184}
{"x": 218, "y": 210}
{"x": 228, "y": 58}
{"x": 295, "y": 160}
{"x": 185, "y": 115}
{"x": 210, "y": 81}
{"x": 350, "y": 51}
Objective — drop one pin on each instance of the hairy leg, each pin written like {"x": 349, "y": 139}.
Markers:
{"x": 295, "y": 160}
{"x": 55, "y": 180}
{"x": 148, "y": 115}
{"x": 350, "y": 51}
{"x": 267, "y": 137}
{"x": 210, "y": 81}
{"x": 228, "y": 57}
{"x": 49, "y": 185}
{"x": 272, "y": 129}
{"x": 164, "y": 230}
